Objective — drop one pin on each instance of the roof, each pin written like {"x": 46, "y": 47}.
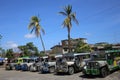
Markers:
{"x": 111, "y": 51}
{"x": 75, "y": 39}
{"x": 75, "y": 54}
{"x": 56, "y": 46}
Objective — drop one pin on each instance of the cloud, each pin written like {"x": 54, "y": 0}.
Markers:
{"x": 10, "y": 44}
{"x": 87, "y": 34}
{"x": 29, "y": 36}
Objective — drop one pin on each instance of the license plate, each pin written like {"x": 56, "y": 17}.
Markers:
{"x": 60, "y": 70}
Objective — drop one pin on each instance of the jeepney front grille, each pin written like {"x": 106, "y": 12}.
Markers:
{"x": 92, "y": 65}
{"x": 61, "y": 66}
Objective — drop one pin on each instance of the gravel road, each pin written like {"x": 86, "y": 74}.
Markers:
{"x": 19, "y": 75}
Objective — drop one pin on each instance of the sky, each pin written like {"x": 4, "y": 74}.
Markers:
{"x": 99, "y": 21}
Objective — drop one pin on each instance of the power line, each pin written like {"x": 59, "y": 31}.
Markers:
{"x": 106, "y": 9}
{"x": 95, "y": 14}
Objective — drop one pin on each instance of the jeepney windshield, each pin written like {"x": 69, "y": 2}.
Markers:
{"x": 98, "y": 56}
{"x": 52, "y": 59}
{"x": 31, "y": 60}
{"x": 25, "y": 60}
{"x": 69, "y": 58}
{"x": 19, "y": 60}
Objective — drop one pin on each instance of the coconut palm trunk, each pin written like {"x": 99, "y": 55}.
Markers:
{"x": 42, "y": 44}
{"x": 69, "y": 41}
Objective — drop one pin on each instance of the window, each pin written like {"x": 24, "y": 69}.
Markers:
{"x": 65, "y": 49}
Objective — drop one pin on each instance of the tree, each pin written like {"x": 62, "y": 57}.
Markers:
{"x": 29, "y": 49}
{"x": 24, "y": 50}
{"x": 2, "y": 52}
{"x": 42, "y": 54}
{"x": 9, "y": 53}
{"x": 70, "y": 16}
{"x": 32, "y": 49}
{"x": 36, "y": 27}
{"x": 82, "y": 47}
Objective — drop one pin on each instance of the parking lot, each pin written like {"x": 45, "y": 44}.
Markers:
{"x": 19, "y": 75}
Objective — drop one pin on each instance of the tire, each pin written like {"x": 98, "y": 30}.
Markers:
{"x": 41, "y": 71}
{"x": 104, "y": 72}
{"x": 77, "y": 63}
{"x": 30, "y": 69}
{"x": 25, "y": 67}
{"x": 52, "y": 69}
{"x": 56, "y": 73}
{"x": 70, "y": 70}
{"x": 7, "y": 67}
{"x": 33, "y": 69}
{"x": 13, "y": 68}
{"x": 38, "y": 68}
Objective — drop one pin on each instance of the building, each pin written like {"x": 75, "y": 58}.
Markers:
{"x": 63, "y": 48}
{"x": 73, "y": 44}
{"x": 57, "y": 49}
{"x": 116, "y": 46}
{"x": 101, "y": 46}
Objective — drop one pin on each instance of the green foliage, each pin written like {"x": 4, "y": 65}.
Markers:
{"x": 2, "y": 52}
{"x": 0, "y": 36}
{"x": 9, "y": 53}
{"x": 82, "y": 47}
{"x": 29, "y": 49}
{"x": 108, "y": 46}
{"x": 42, "y": 54}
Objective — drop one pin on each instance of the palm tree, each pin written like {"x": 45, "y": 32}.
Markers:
{"x": 70, "y": 16}
{"x": 36, "y": 27}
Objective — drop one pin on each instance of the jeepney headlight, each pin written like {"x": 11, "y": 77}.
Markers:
{"x": 96, "y": 63}
{"x": 85, "y": 67}
{"x": 87, "y": 63}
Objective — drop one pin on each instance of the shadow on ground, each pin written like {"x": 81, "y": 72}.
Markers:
{"x": 95, "y": 76}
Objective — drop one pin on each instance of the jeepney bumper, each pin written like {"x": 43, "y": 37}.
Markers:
{"x": 91, "y": 71}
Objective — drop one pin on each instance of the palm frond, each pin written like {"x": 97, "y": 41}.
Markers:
{"x": 31, "y": 25}
{"x": 67, "y": 23}
{"x": 64, "y": 24}
{"x": 43, "y": 31}
{"x": 37, "y": 32}
{"x": 32, "y": 30}
{"x": 63, "y": 13}
{"x": 68, "y": 9}
{"x": 73, "y": 17}
{"x": 35, "y": 19}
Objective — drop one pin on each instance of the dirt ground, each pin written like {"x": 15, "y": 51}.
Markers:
{"x": 19, "y": 75}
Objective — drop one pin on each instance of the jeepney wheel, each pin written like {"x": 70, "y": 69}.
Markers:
{"x": 104, "y": 72}
{"x": 52, "y": 69}
{"x": 56, "y": 73}
{"x": 38, "y": 68}
{"x": 78, "y": 63}
{"x": 41, "y": 71}
{"x": 13, "y": 68}
{"x": 30, "y": 68}
{"x": 7, "y": 67}
{"x": 70, "y": 70}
